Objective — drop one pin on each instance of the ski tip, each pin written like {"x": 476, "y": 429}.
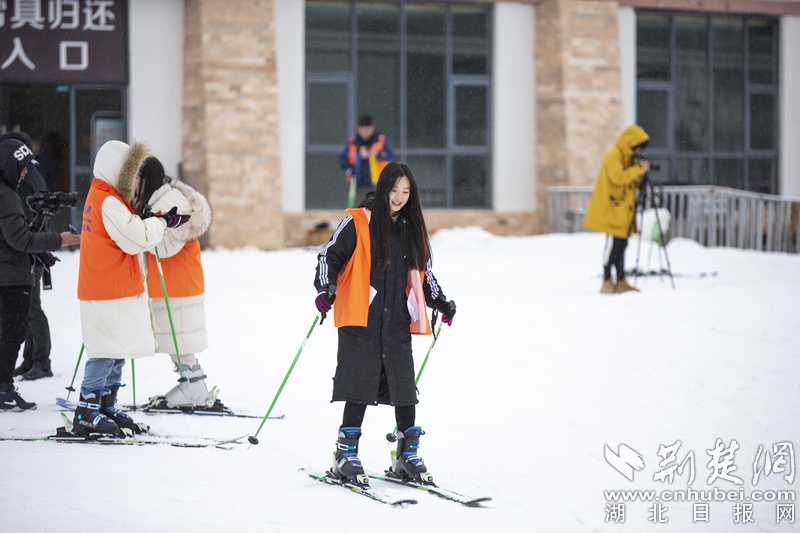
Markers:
{"x": 478, "y": 501}
{"x": 403, "y": 503}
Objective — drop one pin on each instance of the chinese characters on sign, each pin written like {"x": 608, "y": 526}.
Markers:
{"x": 63, "y": 40}
{"x": 777, "y": 461}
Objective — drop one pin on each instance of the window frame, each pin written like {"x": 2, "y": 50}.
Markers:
{"x": 451, "y": 82}
{"x": 710, "y": 154}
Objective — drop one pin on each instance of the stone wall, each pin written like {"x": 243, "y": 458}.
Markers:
{"x": 578, "y": 90}
{"x": 231, "y": 127}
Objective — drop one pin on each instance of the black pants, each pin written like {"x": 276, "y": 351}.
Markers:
{"x": 15, "y": 304}
{"x": 354, "y": 415}
{"x": 37, "y": 341}
{"x": 616, "y": 257}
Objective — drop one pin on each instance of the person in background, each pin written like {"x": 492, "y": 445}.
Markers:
{"x": 612, "y": 206}
{"x": 365, "y": 156}
{"x": 379, "y": 260}
{"x": 36, "y": 354}
{"x": 18, "y": 245}
{"x": 115, "y": 311}
{"x": 179, "y": 253}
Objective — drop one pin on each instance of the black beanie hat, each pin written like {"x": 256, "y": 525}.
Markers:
{"x": 19, "y": 136}
{"x": 14, "y": 157}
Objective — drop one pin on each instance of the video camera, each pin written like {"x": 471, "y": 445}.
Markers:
{"x": 48, "y": 204}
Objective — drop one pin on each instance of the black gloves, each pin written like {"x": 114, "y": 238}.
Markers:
{"x": 447, "y": 309}
{"x": 173, "y": 219}
{"x": 324, "y": 300}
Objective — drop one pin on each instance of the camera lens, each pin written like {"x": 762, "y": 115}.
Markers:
{"x": 68, "y": 199}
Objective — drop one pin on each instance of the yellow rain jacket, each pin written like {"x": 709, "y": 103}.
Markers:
{"x": 613, "y": 203}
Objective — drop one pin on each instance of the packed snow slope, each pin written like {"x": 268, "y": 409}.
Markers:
{"x": 520, "y": 397}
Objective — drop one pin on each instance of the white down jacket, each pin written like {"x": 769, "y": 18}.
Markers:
{"x": 188, "y": 313}
{"x": 121, "y": 328}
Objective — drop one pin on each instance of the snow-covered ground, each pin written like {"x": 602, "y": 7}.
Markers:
{"x": 519, "y": 399}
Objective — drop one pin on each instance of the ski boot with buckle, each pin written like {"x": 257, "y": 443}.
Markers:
{"x": 108, "y": 408}
{"x": 346, "y": 464}
{"x": 406, "y": 464}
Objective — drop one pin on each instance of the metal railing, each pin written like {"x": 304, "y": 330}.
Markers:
{"x": 710, "y": 215}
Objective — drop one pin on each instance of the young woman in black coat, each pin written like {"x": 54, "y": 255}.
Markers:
{"x": 377, "y": 268}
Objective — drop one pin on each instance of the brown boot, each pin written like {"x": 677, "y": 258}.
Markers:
{"x": 624, "y": 286}
{"x": 608, "y": 286}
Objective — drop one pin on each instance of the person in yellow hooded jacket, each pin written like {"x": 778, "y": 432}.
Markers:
{"x": 612, "y": 206}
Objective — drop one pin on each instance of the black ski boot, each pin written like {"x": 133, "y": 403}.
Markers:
{"x": 88, "y": 418}
{"x": 406, "y": 464}
{"x": 346, "y": 464}
{"x": 109, "y": 409}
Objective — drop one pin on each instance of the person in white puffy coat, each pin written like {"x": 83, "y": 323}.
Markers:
{"x": 115, "y": 314}
{"x": 179, "y": 255}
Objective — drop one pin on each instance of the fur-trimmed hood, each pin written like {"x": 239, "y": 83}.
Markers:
{"x": 200, "y": 210}
{"x": 118, "y": 164}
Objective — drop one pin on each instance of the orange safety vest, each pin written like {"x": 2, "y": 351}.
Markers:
{"x": 375, "y": 165}
{"x": 351, "y": 307}
{"x": 183, "y": 273}
{"x": 105, "y": 272}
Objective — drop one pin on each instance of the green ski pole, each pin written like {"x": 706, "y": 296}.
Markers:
{"x": 133, "y": 381}
{"x": 169, "y": 314}
{"x": 391, "y": 436}
{"x": 70, "y": 388}
{"x": 351, "y": 196}
{"x": 254, "y": 438}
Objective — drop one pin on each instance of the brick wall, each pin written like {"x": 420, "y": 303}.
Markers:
{"x": 231, "y": 129}
{"x": 578, "y": 90}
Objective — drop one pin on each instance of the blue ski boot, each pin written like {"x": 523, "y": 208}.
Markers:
{"x": 346, "y": 464}
{"x": 108, "y": 408}
{"x": 88, "y": 418}
{"x": 406, "y": 464}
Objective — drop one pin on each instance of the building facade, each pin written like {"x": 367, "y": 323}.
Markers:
{"x": 489, "y": 103}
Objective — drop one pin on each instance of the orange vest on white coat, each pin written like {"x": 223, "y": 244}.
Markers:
{"x": 105, "y": 272}
{"x": 183, "y": 273}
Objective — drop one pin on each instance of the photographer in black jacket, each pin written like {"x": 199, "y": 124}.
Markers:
{"x": 18, "y": 245}
{"x": 36, "y": 354}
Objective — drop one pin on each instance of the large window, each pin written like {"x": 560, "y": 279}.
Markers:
{"x": 707, "y": 93}
{"x": 68, "y": 124}
{"x": 422, "y": 71}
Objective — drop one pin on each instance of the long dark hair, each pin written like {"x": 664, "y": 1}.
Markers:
{"x": 416, "y": 246}
{"x": 152, "y": 178}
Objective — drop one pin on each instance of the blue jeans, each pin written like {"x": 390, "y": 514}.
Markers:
{"x": 101, "y": 373}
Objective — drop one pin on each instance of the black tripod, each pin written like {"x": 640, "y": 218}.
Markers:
{"x": 655, "y": 200}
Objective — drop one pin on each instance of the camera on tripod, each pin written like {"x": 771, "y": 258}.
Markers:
{"x": 48, "y": 204}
